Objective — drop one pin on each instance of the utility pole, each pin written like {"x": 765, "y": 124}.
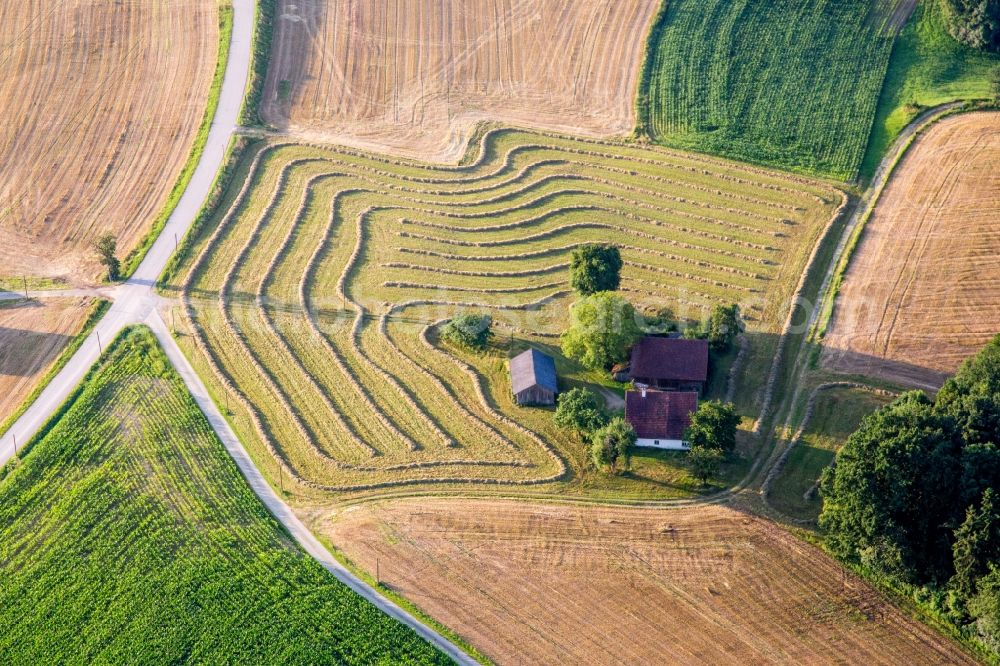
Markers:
{"x": 25, "y": 285}
{"x": 15, "y": 443}
{"x": 281, "y": 480}
{"x": 100, "y": 347}
{"x": 378, "y": 573}
{"x": 175, "y": 242}
{"x": 228, "y": 413}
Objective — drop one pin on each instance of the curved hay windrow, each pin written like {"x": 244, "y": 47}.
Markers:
{"x": 319, "y": 296}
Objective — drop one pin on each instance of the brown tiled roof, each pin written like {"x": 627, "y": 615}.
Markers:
{"x": 671, "y": 359}
{"x": 661, "y": 414}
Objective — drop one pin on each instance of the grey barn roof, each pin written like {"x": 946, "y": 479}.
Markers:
{"x": 533, "y": 368}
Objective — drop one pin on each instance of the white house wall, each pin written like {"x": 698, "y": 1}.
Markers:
{"x": 668, "y": 444}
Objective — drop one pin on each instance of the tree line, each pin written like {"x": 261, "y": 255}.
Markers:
{"x": 914, "y": 496}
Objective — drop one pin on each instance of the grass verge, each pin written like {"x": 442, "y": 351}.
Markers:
{"x": 262, "y": 35}
{"x": 135, "y": 257}
{"x": 927, "y": 68}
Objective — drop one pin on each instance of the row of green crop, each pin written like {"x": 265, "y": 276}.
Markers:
{"x": 127, "y": 535}
{"x": 793, "y": 83}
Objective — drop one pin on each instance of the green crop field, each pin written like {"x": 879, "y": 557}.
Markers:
{"x": 928, "y": 67}
{"x": 127, "y": 535}
{"x": 314, "y": 298}
{"x": 793, "y": 83}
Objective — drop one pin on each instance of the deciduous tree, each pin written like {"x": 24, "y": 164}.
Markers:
{"x": 974, "y": 22}
{"x": 611, "y": 445}
{"x": 579, "y": 410}
{"x": 713, "y": 426}
{"x": 704, "y": 463}
{"x": 602, "y": 329}
{"x": 595, "y": 268}
{"x": 105, "y": 246}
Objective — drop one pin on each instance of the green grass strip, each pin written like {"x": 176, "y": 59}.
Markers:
{"x": 262, "y": 35}
{"x": 135, "y": 257}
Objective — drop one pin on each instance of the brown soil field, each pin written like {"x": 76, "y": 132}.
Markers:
{"x": 922, "y": 291}
{"x": 32, "y": 335}
{"x": 99, "y": 105}
{"x": 414, "y": 76}
{"x": 535, "y": 584}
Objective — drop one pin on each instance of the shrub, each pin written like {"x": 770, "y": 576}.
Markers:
{"x": 470, "y": 330}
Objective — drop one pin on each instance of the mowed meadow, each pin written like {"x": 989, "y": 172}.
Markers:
{"x": 793, "y": 83}
{"x": 316, "y": 295}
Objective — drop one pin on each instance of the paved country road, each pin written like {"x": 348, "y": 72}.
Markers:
{"x": 135, "y": 303}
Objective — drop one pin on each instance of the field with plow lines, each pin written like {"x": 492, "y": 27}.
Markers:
{"x": 127, "y": 535}
{"x": 415, "y": 76}
{"x": 792, "y": 83}
{"x": 316, "y": 295}
{"x": 32, "y": 336}
{"x": 920, "y": 293}
{"x": 100, "y": 103}
{"x": 525, "y": 582}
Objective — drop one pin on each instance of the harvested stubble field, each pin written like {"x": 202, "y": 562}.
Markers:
{"x": 527, "y": 583}
{"x": 317, "y": 293}
{"x": 787, "y": 82}
{"x": 127, "y": 535}
{"x": 414, "y": 76}
{"x": 32, "y": 335}
{"x": 921, "y": 293}
{"x": 100, "y": 103}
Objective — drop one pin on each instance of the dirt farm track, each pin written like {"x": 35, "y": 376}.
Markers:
{"x": 413, "y": 76}
{"x": 528, "y": 583}
{"x": 921, "y": 292}
{"x": 100, "y": 103}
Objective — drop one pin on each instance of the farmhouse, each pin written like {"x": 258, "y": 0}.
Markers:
{"x": 659, "y": 418}
{"x": 533, "y": 378}
{"x": 670, "y": 364}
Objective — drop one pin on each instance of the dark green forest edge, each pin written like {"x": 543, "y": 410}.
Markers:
{"x": 127, "y": 535}
{"x": 801, "y": 84}
{"x": 913, "y": 499}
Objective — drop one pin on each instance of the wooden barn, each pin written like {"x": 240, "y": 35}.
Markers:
{"x": 533, "y": 378}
